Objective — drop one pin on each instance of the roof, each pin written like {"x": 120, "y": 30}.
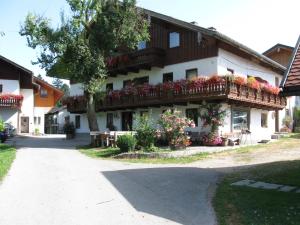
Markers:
{"x": 41, "y": 82}
{"x": 291, "y": 81}
{"x": 16, "y": 65}
{"x": 219, "y": 36}
{"x": 57, "y": 109}
{"x": 278, "y": 46}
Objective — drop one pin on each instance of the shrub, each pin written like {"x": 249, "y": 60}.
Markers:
{"x": 253, "y": 83}
{"x": 212, "y": 140}
{"x": 287, "y": 121}
{"x": 173, "y": 126}
{"x": 2, "y": 127}
{"x": 240, "y": 80}
{"x": 126, "y": 143}
{"x": 69, "y": 128}
{"x": 145, "y": 132}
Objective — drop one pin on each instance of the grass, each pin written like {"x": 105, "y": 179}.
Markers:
{"x": 7, "y": 156}
{"x": 249, "y": 206}
{"x": 288, "y": 142}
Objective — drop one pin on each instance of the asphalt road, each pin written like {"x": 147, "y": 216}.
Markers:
{"x": 50, "y": 183}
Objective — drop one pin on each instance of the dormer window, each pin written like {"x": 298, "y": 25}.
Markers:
{"x": 43, "y": 93}
{"x": 142, "y": 45}
{"x": 174, "y": 40}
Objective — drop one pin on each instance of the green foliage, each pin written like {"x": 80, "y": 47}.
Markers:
{"x": 126, "y": 143}
{"x": 145, "y": 132}
{"x": 7, "y": 156}
{"x": 2, "y": 127}
{"x": 69, "y": 128}
{"x": 297, "y": 116}
{"x": 287, "y": 121}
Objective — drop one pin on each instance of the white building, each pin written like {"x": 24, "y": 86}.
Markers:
{"x": 24, "y": 99}
{"x": 180, "y": 50}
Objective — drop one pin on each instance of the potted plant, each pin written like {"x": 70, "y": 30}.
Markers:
{"x": 69, "y": 130}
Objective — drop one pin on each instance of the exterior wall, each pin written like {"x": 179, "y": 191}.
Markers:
{"x": 48, "y": 101}
{"x": 27, "y": 109}
{"x": 281, "y": 56}
{"x": 9, "y": 116}
{"x": 10, "y": 86}
{"x": 40, "y": 112}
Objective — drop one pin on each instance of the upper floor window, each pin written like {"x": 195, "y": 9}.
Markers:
{"x": 109, "y": 87}
{"x": 127, "y": 83}
{"x": 77, "y": 122}
{"x": 167, "y": 77}
{"x": 1, "y": 88}
{"x": 141, "y": 80}
{"x": 174, "y": 40}
{"x": 276, "y": 81}
{"x": 43, "y": 93}
{"x": 191, "y": 74}
{"x": 142, "y": 45}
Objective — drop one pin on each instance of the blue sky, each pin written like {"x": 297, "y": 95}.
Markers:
{"x": 259, "y": 24}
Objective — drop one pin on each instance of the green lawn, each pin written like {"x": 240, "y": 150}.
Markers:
{"x": 249, "y": 206}
{"x": 7, "y": 156}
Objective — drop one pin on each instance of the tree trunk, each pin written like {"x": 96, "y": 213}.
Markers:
{"x": 91, "y": 113}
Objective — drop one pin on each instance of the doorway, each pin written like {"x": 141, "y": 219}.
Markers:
{"x": 127, "y": 118}
{"x": 24, "y": 124}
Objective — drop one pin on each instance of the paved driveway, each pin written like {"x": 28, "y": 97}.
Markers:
{"x": 52, "y": 184}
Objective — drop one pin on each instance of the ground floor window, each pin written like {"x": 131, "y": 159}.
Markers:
{"x": 109, "y": 121}
{"x": 37, "y": 120}
{"x": 193, "y": 115}
{"x": 240, "y": 119}
{"x": 77, "y": 122}
{"x": 264, "y": 120}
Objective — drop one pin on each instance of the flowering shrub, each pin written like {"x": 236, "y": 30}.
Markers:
{"x": 270, "y": 88}
{"x": 212, "y": 139}
{"x": 215, "y": 79}
{"x": 173, "y": 126}
{"x": 253, "y": 83}
{"x": 145, "y": 132}
{"x": 212, "y": 115}
{"x": 11, "y": 97}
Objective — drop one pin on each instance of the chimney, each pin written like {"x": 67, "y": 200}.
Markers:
{"x": 194, "y": 23}
{"x": 212, "y": 28}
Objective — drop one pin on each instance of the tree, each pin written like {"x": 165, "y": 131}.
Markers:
{"x": 78, "y": 48}
{"x": 59, "y": 84}
{"x": 40, "y": 77}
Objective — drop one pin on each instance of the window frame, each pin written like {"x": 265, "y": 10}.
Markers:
{"x": 135, "y": 83}
{"x": 176, "y": 45}
{"x": 77, "y": 122}
{"x": 190, "y": 70}
{"x": 109, "y": 87}
{"x": 43, "y": 95}
{"x": 264, "y": 121}
{"x": 247, "y": 110}
{"x": 166, "y": 79}
{"x": 195, "y": 115}
{"x": 127, "y": 81}
{"x": 142, "y": 45}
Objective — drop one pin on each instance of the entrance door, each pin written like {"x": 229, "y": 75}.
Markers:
{"x": 24, "y": 124}
{"x": 127, "y": 121}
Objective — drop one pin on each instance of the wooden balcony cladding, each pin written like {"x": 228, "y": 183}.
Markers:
{"x": 134, "y": 62}
{"x": 226, "y": 92}
{"x": 11, "y": 101}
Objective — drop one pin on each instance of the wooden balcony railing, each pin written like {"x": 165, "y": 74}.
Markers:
{"x": 226, "y": 92}
{"x": 134, "y": 62}
{"x": 11, "y": 101}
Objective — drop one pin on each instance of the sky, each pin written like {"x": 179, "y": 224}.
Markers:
{"x": 258, "y": 24}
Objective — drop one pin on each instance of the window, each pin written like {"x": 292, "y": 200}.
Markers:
{"x": 264, "y": 120}
{"x": 37, "y": 120}
{"x": 240, "y": 119}
{"x": 276, "y": 81}
{"x": 109, "y": 120}
{"x": 167, "y": 77}
{"x": 77, "y": 122}
{"x": 142, "y": 45}
{"x": 34, "y": 120}
{"x": 193, "y": 115}
{"x": 141, "y": 80}
{"x": 127, "y": 83}
{"x": 174, "y": 40}
{"x": 109, "y": 87}
{"x": 1, "y": 88}
{"x": 67, "y": 119}
{"x": 191, "y": 74}
{"x": 43, "y": 93}
{"x": 230, "y": 71}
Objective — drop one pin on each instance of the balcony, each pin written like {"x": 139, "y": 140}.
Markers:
{"x": 157, "y": 96}
{"x": 134, "y": 62}
{"x": 11, "y": 101}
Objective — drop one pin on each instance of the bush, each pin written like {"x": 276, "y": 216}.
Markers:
{"x": 2, "y": 127}
{"x": 145, "y": 132}
{"x": 126, "y": 143}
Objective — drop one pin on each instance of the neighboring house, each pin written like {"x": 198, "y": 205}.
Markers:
{"x": 180, "y": 50}
{"x": 24, "y": 99}
{"x": 280, "y": 53}
{"x": 55, "y": 120}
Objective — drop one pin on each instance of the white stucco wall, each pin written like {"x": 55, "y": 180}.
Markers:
{"x": 10, "y": 86}
{"x": 40, "y": 112}
{"x": 27, "y": 109}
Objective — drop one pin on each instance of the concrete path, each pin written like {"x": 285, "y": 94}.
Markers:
{"x": 52, "y": 184}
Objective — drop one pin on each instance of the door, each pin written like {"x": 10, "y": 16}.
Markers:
{"x": 127, "y": 121}
{"x": 24, "y": 124}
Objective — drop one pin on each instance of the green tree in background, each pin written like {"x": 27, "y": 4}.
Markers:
{"x": 78, "y": 48}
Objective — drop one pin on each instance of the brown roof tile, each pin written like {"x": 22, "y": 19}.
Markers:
{"x": 292, "y": 77}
